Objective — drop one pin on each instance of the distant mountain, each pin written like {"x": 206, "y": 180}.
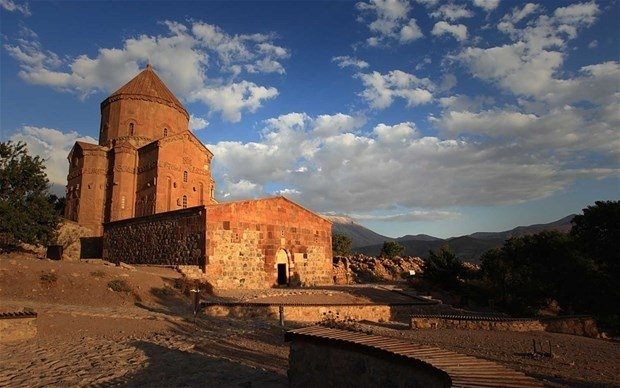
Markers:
{"x": 562, "y": 225}
{"x": 419, "y": 237}
{"x": 469, "y": 247}
{"x": 360, "y": 236}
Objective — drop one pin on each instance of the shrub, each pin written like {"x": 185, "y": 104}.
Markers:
{"x": 48, "y": 278}
{"x": 334, "y": 321}
{"x": 341, "y": 245}
{"x": 443, "y": 267}
{"x": 98, "y": 274}
{"x": 391, "y": 249}
{"x": 119, "y": 285}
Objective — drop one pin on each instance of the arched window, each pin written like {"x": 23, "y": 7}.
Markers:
{"x": 131, "y": 129}
{"x": 165, "y": 132}
{"x": 184, "y": 176}
{"x": 184, "y": 201}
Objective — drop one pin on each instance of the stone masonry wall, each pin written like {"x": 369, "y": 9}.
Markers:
{"x": 244, "y": 238}
{"x": 172, "y": 238}
{"x": 324, "y": 364}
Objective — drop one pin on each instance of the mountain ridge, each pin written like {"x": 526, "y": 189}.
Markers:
{"x": 468, "y": 247}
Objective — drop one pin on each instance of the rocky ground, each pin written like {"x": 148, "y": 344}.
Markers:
{"x": 362, "y": 269}
{"x": 90, "y": 334}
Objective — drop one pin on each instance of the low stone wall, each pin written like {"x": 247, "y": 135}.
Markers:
{"x": 576, "y": 325}
{"x": 18, "y": 326}
{"x": 580, "y": 325}
{"x": 316, "y": 363}
{"x": 418, "y": 323}
{"x": 311, "y": 313}
{"x": 172, "y": 238}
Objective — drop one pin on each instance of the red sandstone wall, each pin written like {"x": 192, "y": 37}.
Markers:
{"x": 149, "y": 119}
{"x": 86, "y": 185}
{"x": 244, "y": 237}
{"x": 177, "y": 155}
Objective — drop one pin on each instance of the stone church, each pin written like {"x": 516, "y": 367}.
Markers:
{"x": 147, "y": 192}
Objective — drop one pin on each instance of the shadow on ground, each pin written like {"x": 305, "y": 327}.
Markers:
{"x": 173, "y": 367}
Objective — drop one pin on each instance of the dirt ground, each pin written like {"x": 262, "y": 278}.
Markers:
{"x": 92, "y": 335}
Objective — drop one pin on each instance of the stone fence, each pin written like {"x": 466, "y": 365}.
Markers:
{"x": 576, "y": 325}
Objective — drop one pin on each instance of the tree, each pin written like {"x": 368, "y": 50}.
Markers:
{"x": 26, "y": 215}
{"x": 58, "y": 203}
{"x": 597, "y": 232}
{"x": 391, "y": 249}
{"x": 529, "y": 270}
{"x": 341, "y": 245}
{"x": 443, "y": 268}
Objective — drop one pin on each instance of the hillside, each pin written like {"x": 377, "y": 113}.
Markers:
{"x": 469, "y": 247}
{"x": 360, "y": 236}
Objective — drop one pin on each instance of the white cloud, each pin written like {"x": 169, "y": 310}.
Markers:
{"x": 593, "y": 44}
{"x": 459, "y": 31}
{"x": 242, "y": 189}
{"x": 487, "y": 5}
{"x": 517, "y": 14}
{"x": 452, "y": 12}
{"x": 234, "y": 98}
{"x": 577, "y": 14}
{"x": 394, "y": 167}
{"x": 410, "y": 32}
{"x": 13, "y": 6}
{"x": 495, "y": 122}
{"x": 390, "y": 22}
{"x": 183, "y": 57}
{"x": 345, "y": 61}
{"x": 411, "y": 216}
{"x": 530, "y": 66}
{"x": 197, "y": 123}
{"x": 395, "y": 133}
{"x": 380, "y": 90}
{"x": 53, "y": 146}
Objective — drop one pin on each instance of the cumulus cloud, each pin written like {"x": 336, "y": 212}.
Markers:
{"x": 393, "y": 165}
{"x": 234, "y": 98}
{"x": 487, "y": 5}
{"x": 452, "y": 12}
{"x": 530, "y": 66}
{"x": 13, "y": 6}
{"x": 389, "y": 22}
{"x": 53, "y": 146}
{"x": 411, "y": 216}
{"x": 197, "y": 123}
{"x": 182, "y": 57}
{"x": 380, "y": 90}
{"x": 346, "y": 61}
{"x": 459, "y": 31}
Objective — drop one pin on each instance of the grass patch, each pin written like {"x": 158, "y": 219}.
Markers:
{"x": 119, "y": 285}
{"x": 98, "y": 274}
{"x": 48, "y": 278}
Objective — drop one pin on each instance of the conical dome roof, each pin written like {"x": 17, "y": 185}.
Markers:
{"x": 146, "y": 84}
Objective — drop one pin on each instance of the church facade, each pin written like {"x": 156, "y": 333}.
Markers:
{"x": 150, "y": 176}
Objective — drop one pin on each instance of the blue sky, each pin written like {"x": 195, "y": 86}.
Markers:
{"x": 420, "y": 116}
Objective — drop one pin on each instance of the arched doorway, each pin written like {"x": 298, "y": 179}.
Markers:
{"x": 282, "y": 267}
